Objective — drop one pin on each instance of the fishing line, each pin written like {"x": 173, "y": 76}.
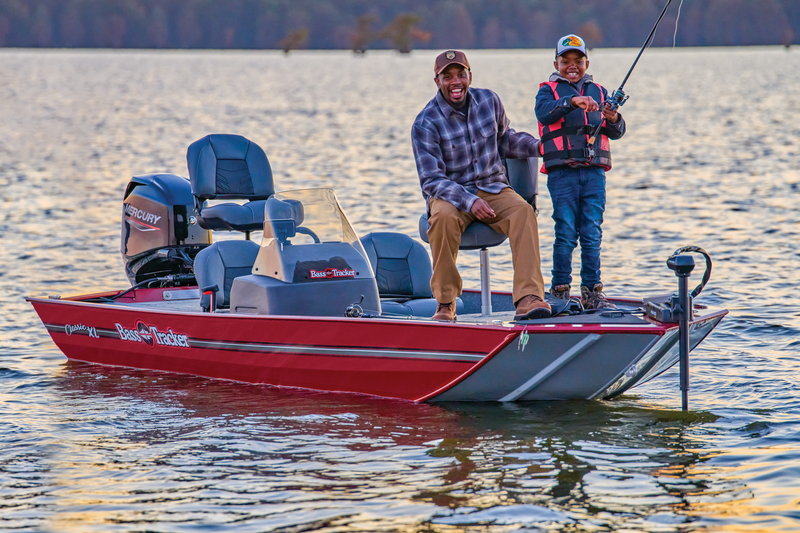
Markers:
{"x": 675, "y": 35}
{"x": 619, "y": 97}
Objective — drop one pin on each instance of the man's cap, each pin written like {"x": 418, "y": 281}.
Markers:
{"x": 570, "y": 42}
{"x": 445, "y": 59}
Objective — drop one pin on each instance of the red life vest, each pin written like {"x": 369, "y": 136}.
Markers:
{"x": 568, "y": 139}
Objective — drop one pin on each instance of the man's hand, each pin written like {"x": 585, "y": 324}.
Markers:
{"x": 586, "y": 103}
{"x": 480, "y": 209}
{"x": 609, "y": 114}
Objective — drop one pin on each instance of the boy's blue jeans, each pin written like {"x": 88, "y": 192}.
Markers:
{"x": 579, "y": 200}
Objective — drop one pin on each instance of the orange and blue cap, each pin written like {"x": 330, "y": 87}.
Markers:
{"x": 570, "y": 42}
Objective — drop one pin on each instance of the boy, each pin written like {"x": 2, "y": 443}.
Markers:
{"x": 569, "y": 107}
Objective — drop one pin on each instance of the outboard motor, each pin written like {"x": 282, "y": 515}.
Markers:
{"x": 160, "y": 235}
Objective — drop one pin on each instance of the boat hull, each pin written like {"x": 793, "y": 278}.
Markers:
{"x": 417, "y": 360}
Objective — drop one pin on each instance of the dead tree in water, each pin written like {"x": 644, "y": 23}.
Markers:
{"x": 294, "y": 39}
{"x": 363, "y": 35}
{"x": 402, "y": 32}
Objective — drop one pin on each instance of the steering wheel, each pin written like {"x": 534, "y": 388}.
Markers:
{"x": 306, "y": 231}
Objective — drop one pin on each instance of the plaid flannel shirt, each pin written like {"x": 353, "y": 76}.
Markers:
{"x": 458, "y": 153}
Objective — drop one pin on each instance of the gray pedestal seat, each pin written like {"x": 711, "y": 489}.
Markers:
{"x": 229, "y": 167}
{"x": 523, "y": 176}
{"x": 402, "y": 270}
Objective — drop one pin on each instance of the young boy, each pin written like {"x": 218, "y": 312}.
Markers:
{"x": 569, "y": 107}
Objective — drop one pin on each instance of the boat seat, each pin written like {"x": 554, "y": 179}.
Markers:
{"x": 523, "y": 176}
{"x": 222, "y": 262}
{"x": 403, "y": 273}
{"x": 229, "y": 167}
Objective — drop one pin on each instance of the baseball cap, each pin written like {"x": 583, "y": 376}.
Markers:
{"x": 570, "y": 42}
{"x": 445, "y": 59}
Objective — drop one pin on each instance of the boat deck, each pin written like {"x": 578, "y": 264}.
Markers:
{"x": 187, "y": 301}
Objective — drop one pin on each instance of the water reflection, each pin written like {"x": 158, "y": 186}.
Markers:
{"x": 191, "y": 448}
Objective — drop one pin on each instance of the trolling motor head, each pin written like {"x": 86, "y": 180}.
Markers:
{"x": 682, "y": 265}
{"x": 666, "y": 307}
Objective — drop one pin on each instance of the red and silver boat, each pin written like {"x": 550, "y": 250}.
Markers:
{"x": 317, "y": 307}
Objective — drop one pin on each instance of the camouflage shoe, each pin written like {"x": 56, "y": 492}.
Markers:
{"x": 594, "y": 298}
{"x": 560, "y": 291}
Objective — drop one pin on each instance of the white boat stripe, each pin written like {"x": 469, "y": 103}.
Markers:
{"x": 309, "y": 350}
{"x": 550, "y": 369}
{"x": 322, "y": 350}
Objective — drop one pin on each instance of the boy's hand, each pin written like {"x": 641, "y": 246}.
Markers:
{"x": 609, "y": 114}
{"x": 586, "y": 103}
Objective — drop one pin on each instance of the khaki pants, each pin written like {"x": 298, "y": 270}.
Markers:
{"x": 513, "y": 217}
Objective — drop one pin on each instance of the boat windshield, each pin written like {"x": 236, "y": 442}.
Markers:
{"x": 309, "y": 227}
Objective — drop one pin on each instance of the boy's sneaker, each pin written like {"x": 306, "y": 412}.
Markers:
{"x": 593, "y": 298}
{"x": 560, "y": 291}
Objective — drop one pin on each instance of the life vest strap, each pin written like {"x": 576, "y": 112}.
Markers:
{"x": 572, "y": 130}
{"x": 575, "y": 154}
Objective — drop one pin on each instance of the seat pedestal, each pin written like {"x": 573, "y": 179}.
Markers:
{"x": 486, "y": 289}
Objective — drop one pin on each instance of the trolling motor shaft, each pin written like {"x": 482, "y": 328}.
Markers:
{"x": 678, "y": 308}
{"x": 683, "y": 265}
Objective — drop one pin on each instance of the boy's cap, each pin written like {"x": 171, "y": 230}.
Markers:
{"x": 570, "y": 42}
{"x": 445, "y": 59}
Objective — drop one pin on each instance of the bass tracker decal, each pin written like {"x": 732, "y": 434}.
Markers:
{"x": 151, "y": 336}
{"x": 332, "y": 273}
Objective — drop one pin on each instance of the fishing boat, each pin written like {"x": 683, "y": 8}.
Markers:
{"x": 316, "y": 306}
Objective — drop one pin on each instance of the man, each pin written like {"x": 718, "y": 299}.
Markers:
{"x": 458, "y": 140}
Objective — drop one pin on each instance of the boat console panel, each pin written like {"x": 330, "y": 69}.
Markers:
{"x": 310, "y": 262}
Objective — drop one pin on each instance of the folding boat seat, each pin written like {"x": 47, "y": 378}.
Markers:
{"x": 523, "y": 176}
{"x": 220, "y": 263}
{"x": 403, "y": 273}
{"x": 229, "y": 167}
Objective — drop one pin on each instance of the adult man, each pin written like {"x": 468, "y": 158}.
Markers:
{"x": 458, "y": 140}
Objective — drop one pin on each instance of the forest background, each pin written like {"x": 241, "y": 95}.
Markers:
{"x": 380, "y": 24}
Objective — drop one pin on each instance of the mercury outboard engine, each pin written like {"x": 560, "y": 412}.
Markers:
{"x": 160, "y": 236}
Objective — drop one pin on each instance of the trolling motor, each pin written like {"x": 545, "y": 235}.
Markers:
{"x": 667, "y": 307}
{"x": 619, "y": 97}
{"x": 679, "y": 307}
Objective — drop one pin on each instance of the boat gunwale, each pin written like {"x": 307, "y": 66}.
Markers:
{"x": 648, "y": 327}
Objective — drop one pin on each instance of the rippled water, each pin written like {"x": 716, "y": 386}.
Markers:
{"x": 710, "y": 159}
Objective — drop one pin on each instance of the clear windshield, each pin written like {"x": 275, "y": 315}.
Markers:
{"x": 307, "y": 234}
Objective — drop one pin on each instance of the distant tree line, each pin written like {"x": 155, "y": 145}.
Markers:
{"x": 401, "y": 24}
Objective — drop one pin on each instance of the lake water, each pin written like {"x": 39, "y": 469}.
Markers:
{"x": 710, "y": 159}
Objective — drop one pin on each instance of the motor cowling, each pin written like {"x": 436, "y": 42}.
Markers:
{"x": 160, "y": 235}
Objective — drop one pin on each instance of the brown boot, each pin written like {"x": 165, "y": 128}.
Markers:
{"x": 445, "y": 312}
{"x": 531, "y": 306}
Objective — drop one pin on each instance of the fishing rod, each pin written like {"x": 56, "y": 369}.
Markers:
{"x": 619, "y": 97}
